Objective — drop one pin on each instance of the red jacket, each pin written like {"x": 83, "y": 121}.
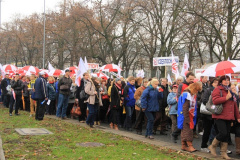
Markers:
{"x": 230, "y": 108}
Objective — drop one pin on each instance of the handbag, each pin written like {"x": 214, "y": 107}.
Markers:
{"x": 105, "y": 96}
{"x": 76, "y": 111}
{"x": 138, "y": 103}
{"x": 214, "y": 109}
{"x": 204, "y": 110}
{"x": 83, "y": 95}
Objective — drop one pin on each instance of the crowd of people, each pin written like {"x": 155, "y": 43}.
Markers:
{"x": 135, "y": 103}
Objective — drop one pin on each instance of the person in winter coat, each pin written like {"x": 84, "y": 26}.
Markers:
{"x": 207, "y": 119}
{"x": 50, "y": 107}
{"x": 41, "y": 96}
{"x": 92, "y": 88}
{"x": 105, "y": 100}
{"x": 33, "y": 104}
{"x": 6, "y": 91}
{"x": 139, "y": 113}
{"x": 129, "y": 102}
{"x": 172, "y": 103}
{"x": 64, "y": 86}
{"x": 150, "y": 104}
{"x": 188, "y": 103}
{"x": 17, "y": 86}
{"x": 116, "y": 97}
{"x": 189, "y": 80}
{"x": 223, "y": 121}
{"x": 72, "y": 97}
{"x": 26, "y": 94}
{"x": 160, "y": 117}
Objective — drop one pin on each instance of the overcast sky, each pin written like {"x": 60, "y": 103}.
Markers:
{"x": 25, "y": 7}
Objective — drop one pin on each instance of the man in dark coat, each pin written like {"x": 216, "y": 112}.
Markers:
{"x": 160, "y": 117}
{"x": 5, "y": 94}
{"x": 40, "y": 95}
{"x": 17, "y": 85}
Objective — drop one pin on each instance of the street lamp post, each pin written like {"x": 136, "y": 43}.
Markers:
{"x": 44, "y": 19}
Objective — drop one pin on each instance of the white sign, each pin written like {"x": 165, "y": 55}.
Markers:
{"x": 93, "y": 66}
{"x": 199, "y": 71}
{"x": 164, "y": 61}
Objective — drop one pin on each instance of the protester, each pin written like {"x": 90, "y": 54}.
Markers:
{"x": 64, "y": 85}
{"x": 51, "y": 91}
{"x": 129, "y": 102}
{"x": 150, "y": 104}
{"x": 6, "y": 90}
{"x": 26, "y": 94}
{"x": 172, "y": 102}
{"x": 160, "y": 117}
{"x": 72, "y": 97}
{"x": 105, "y": 101}
{"x": 189, "y": 80}
{"x": 207, "y": 119}
{"x": 92, "y": 88}
{"x": 115, "y": 103}
{"x": 17, "y": 86}
{"x": 33, "y": 104}
{"x": 187, "y": 106}
{"x": 41, "y": 95}
{"x": 222, "y": 95}
{"x": 138, "y": 82}
{"x": 139, "y": 113}
{"x": 82, "y": 104}
{"x": 179, "y": 80}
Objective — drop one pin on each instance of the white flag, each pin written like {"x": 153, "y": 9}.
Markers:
{"x": 169, "y": 78}
{"x": 81, "y": 69}
{"x": 2, "y": 71}
{"x": 140, "y": 73}
{"x": 185, "y": 65}
{"x": 50, "y": 67}
{"x": 86, "y": 63}
{"x": 174, "y": 67}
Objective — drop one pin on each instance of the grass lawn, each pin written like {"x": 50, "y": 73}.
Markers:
{"x": 62, "y": 144}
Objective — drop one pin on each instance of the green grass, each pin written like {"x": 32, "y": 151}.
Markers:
{"x": 62, "y": 144}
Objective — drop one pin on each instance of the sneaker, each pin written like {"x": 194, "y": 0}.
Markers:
{"x": 205, "y": 150}
{"x": 229, "y": 152}
{"x": 10, "y": 114}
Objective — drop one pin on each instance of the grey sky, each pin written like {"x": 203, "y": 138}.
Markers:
{"x": 25, "y": 7}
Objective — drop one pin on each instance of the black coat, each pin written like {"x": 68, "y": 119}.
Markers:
{"x": 163, "y": 102}
{"x": 4, "y": 85}
{"x": 205, "y": 97}
{"x": 17, "y": 86}
{"x": 115, "y": 97}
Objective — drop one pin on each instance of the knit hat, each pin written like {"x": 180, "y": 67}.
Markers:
{"x": 41, "y": 73}
{"x": 118, "y": 79}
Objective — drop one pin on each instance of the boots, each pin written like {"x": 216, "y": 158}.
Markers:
{"x": 237, "y": 143}
{"x": 213, "y": 147}
{"x": 223, "y": 150}
{"x": 115, "y": 126}
{"x": 111, "y": 125}
{"x": 190, "y": 147}
{"x": 184, "y": 146}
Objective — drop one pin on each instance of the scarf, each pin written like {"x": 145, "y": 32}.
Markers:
{"x": 119, "y": 86}
{"x": 234, "y": 98}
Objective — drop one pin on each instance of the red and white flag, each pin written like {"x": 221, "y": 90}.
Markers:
{"x": 174, "y": 67}
{"x": 81, "y": 69}
{"x": 185, "y": 65}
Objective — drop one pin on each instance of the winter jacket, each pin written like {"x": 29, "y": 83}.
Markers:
{"x": 17, "y": 86}
{"x": 51, "y": 91}
{"x": 90, "y": 89}
{"x": 25, "y": 89}
{"x": 172, "y": 103}
{"x": 40, "y": 87}
{"x": 5, "y": 82}
{"x": 116, "y": 95}
{"x": 80, "y": 88}
{"x": 230, "y": 108}
{"x": 66, "y": 83}
{"x": 72, "y": 95}
{"x": 128, "y": 95}
{"x": 109, "y": 92}
{"x": 150, "y": 99}
{"x": 138, "y": 95}
{"x": 205, "y": 97}
{"x": 56, "y": 87}
{"x": 31, "y": 85}
{"x": 199, "y": 95}
{"x": 163, "y": 102}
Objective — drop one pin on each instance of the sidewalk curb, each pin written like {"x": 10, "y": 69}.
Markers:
{"x": 134, "y": 136}
{"x": 2, "y": 157}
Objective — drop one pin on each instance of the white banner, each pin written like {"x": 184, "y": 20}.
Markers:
{"x": 199, "y": 71}
{"x": 93, "y": 66}
{"x": 164, "y": 61}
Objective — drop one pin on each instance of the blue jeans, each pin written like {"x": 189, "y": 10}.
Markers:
{"x": 92, "y": 113}
{"x": 62, "y": 105}
{"x": 150, "y": 118}
{"x": 129, "y": 113}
